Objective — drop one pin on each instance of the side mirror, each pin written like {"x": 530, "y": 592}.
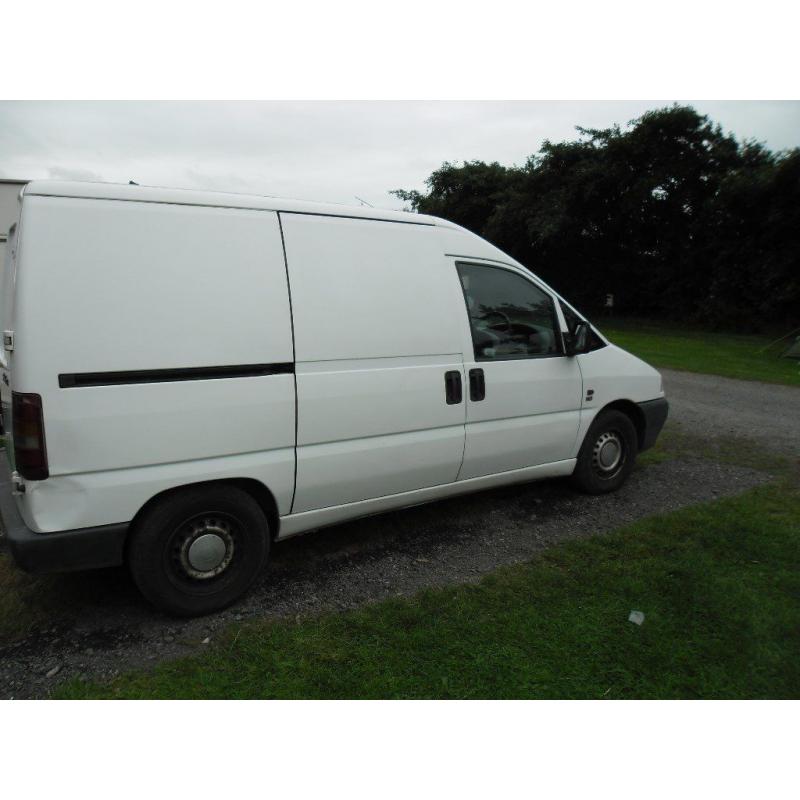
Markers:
{"x": 576, "y": 342}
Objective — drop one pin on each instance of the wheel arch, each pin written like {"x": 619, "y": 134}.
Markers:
{"x": 633, "y": 412}
{"x": 256, "y": 489}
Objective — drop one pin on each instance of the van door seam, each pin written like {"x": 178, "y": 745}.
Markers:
{"x": 294, "y": 357}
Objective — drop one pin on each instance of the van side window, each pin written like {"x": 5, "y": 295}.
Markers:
{"x": 510, "y": 317}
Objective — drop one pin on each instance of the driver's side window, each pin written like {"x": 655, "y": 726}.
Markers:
{"x": 509, "y": 316}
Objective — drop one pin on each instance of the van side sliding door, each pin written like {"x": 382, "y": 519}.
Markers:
{"x": 523, "y": 392}
{"x": 380, "y": 374}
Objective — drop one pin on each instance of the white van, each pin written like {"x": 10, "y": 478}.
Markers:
{"x": 188, "y": 376}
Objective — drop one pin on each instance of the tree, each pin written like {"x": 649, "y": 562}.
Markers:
{"x": 672, "y": 215}
{"x": 465, "y": 195}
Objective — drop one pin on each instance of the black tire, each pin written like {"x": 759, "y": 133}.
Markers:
{"x": 597, "y": 472}
{"x": 174, "y": 572}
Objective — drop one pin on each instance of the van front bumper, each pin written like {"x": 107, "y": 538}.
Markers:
{"x": 655, "y": 415}
{"x": 62, "y": 551}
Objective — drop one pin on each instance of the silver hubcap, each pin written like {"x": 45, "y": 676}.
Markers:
{"x": 207, "y": 548}
{"x": 607, "y": 453}
{"x": 206, "y": 552}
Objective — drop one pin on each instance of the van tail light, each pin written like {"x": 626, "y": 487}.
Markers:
{"x": 30, "y": 453}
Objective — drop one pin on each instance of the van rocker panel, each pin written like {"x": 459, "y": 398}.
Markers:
{"x": 303, "y": 522}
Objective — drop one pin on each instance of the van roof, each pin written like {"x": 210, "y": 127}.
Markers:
{"x": 154, "y": 194}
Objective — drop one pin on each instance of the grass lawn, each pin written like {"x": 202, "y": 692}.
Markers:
{"x": 730, "y": 355}
{"x": 719, "y": 585}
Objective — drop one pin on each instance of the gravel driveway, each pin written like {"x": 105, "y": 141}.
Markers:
{"x": 458, "y": 540}
{"x": 714, "y": 406}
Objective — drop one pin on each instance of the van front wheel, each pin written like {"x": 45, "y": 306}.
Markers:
{"x": 198, "y": 550}
{"x": 607, "y": 455}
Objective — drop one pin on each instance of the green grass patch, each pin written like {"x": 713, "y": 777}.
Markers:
{"x": 729, "y": 355}
{"x": 719, "y": 585}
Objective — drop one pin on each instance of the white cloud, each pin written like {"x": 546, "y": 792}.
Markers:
{"x": 324, "y": 150}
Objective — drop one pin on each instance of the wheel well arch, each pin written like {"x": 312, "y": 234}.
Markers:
{"x": 256, "y": 489}
{"x": 633, "y": 412}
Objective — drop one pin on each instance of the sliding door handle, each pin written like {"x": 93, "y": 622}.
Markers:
{"x": 477, "y": 385}
{"x": 452, "y": 387}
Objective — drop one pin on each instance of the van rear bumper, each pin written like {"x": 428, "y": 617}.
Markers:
{"x": 62, "y": 551}
{"x": 655, "y": 415}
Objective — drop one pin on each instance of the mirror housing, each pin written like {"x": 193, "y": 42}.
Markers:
{"x": 577, "y": 342}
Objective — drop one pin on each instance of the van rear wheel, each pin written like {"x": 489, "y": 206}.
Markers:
{"x": 198, "y": 550}
{"x": 607, "y": 455}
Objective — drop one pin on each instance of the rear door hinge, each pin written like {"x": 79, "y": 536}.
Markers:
{"x": 8, "y": 340}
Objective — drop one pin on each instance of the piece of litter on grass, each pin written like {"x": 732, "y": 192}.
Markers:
{"x": 206, "y": 640}
{"x": 636, "y": 617}
{"x": 54, "y": 671}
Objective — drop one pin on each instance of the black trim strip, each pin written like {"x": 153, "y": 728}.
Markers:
{"x": 79, "y": 379}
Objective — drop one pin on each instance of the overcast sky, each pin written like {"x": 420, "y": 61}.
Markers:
{"x": 332, "y": 151}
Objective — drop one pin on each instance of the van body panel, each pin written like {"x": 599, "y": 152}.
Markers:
{"x": 136, "y": 286}
{"x": 89, "y": 428}
{"x": 501, "y": 445}
{"x": 88, "y": 499}
{"x": 376, "y": 331}
{"x": 613, "y": 374}
{"x": 362, "y": 468}
{"x": 367, "y": 289}
{"x": 107, "y": 291}
{"x": 412, "y": 396}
